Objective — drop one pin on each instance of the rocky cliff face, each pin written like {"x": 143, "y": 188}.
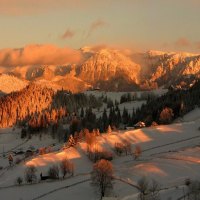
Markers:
{"x": 41, "y": 72}
{"x": 171, "y": 66}
{"x": 108, "y": 64}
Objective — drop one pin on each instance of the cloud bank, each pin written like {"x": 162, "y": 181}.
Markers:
{"x": 182, "y": 42}
{"x": 38, "y": 55}
{"x": 186, "y": 43}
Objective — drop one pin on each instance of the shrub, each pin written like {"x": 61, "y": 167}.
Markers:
{"x": 53, "y": 172}
{"x": 18, "y": 160}
{"x": 154, "y": 123}
{"x": 166, "y": 115}
{"x": 187, "y": 182}
{"x": 66, "y": 167}
{"x": 19, "y": 180}
{"x": 119, "y": 148}
{"x": 98, "y": 155}
{"x": 194, "y": 190}
{"x": 23, "y": 133}
{"x": 106, "y": 155}
{"x": 30, "y": 174}
{"x": 137, "y": 152}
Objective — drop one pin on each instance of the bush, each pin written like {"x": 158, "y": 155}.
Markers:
{"x": 53, "y": 172}
{"x": 123, "y": 147}
{"x": 137, "y": 152}
{"x": 30, "y": 174}
{"x": 19, "y": 180}
{"x": 106, "y": 155}
{"x": 98, "y": 155}
{"x": 119, "y": 148}
{"x": 23, "y": 133}
{"x": 154, "y": 123}
{"x": 148, "y": 189}
{"x": 66, "y": 167}
{"x": 194, "y": 190}
{"x": 187, "y": 182}
{"x": 166, "y": 115}
{"x": 42, "y": 151}
{"x": 18, "y": 160}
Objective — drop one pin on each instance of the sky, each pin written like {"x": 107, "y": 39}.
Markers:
{"x": 169, "y": 25}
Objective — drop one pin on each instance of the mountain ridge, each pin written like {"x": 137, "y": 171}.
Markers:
{"x": 110, "y": 69}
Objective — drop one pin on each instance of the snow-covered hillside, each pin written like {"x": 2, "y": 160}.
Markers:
{"x": 170, "y": 154}
{"x": 10, "y": 83}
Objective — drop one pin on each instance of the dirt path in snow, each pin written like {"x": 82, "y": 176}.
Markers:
{"x": 61, "y": 188}
{"x": 171, "y": 143}
{"x": 19, "y": 145}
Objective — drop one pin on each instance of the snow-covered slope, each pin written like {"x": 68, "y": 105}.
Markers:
{"x": 170, "y": 154}
{"x": 10, "y": 83}
{"x": 106, "y": 64}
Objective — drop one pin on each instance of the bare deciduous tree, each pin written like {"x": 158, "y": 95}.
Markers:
{"x": 53, "y": 172}
{"x": 102, "y": 176}
{"x": 148, "y": 190}
{"x": 127, "y": 147}
{"x": 154, "y": 191}
{"x": 137, "y": 152}
{"x": 67, "y": 167}
{"x": 90, "y": 139}
{"x": 194, "y": 190}
{"x": 143, "y": 185}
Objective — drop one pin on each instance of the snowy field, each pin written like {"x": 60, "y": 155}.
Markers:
{"x": 127, "y": 105}
{"x": 116, "y": 96}
{"x": 170, "y": 154}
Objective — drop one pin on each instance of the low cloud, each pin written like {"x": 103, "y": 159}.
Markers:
{"x": 197, "y": 45}
{"x": 38, "y": 55}
{"x": 68, "y": 34}
{"x": 182, "y": 42}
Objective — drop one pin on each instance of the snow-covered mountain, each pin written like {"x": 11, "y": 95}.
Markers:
{"x": 106, "y": 64}
{"x": 112, "y": 70}
{"x": 168, "y": 67}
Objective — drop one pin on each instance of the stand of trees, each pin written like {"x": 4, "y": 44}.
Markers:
{"x": 41, "y": 109}
{"x": 160, "y": 110}
{"x": 19, "y": 106}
